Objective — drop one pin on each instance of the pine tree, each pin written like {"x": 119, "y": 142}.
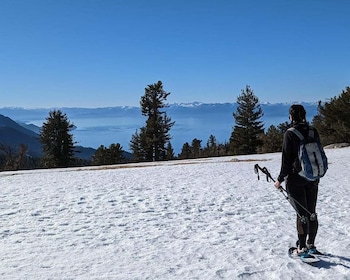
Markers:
{"x": 186, "y": 151}
{"x": 170, "y": 151}
{"x": 333, "y": 119}
{"x": 212, "y": 147}
{"x": 150, "y": 144}
{"x": 245, "y": 137}
{"x": 196, "y": 147}
{"x": 138, "y": 145}
{"x": 273, "y": 138}
{"x": 116, "y": 153}
{"x": 107, "y": 156}
{"x": 57, "y": 141}
{"x": 100, "y": 156}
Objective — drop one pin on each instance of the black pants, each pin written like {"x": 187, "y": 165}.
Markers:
{"x": 305, "y": 193}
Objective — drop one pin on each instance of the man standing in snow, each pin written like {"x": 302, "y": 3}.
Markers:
{"x": 300, "y": 189}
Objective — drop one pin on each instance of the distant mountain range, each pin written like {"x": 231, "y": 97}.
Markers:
{"x": 12, "y": 134}
{"x": 104, "y": 126}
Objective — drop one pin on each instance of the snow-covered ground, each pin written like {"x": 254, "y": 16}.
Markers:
{"x": 199, "y": 219}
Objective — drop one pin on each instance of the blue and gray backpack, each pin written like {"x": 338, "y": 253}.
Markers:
{"x": 311, "y": 156}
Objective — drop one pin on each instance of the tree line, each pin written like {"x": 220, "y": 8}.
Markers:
{"x": 152, "y": 142}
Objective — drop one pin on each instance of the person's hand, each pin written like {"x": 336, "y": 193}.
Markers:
{"x": 277, "y": 184}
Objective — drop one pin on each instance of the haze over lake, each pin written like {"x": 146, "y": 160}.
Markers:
{"x": 104, "y": 126}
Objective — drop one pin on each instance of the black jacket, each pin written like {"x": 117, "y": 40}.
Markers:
{"x": 290, "y": 149}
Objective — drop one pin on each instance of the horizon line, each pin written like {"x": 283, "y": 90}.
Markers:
{"x": 187, "y": 104}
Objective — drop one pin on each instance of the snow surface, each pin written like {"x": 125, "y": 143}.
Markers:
{"x": 196, "y": 219}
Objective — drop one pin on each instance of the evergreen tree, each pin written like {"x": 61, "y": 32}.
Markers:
{"x": 333, "y": 119}
{"x": 138, "y": 145}
{"x": 150, "y": 144}
{"x": 170, "y": 152}
{"x": 245, "y": 137}
{"x": 273, "y": 138}
{"x": 107, "y": 156}
{"x": 57, "y": 141}
{"x": 186, "y": 151}
{"x": 196, "y": 148}
{"x": 100, "y": 156}
{"x": 116, "y": 153}
{"x": 212, "y": 147}
{"x": 224, "y": 149}
{"x": 282, "y": 127}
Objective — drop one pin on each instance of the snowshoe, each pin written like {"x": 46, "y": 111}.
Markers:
{"x": 303, "y": 255}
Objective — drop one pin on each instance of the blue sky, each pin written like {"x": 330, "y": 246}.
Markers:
{"x": 98, "y": 53}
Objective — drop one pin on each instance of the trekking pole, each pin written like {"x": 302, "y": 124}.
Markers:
{"x": 263, "y": 170}
{"x": 285, "y": 193}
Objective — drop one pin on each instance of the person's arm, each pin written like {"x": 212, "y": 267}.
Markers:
{"x": 287, "y": 158}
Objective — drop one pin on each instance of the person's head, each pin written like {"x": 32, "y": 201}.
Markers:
{"x": 297, "y": 113}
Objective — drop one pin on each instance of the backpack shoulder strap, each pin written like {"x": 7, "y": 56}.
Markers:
{"x": 311, "y": 132}
{"x": 296, "y": 132}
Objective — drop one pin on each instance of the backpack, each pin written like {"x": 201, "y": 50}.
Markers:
{"x": 312, "y": 158}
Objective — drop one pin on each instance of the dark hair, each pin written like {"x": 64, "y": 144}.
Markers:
{"x": 297, "y": 113}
